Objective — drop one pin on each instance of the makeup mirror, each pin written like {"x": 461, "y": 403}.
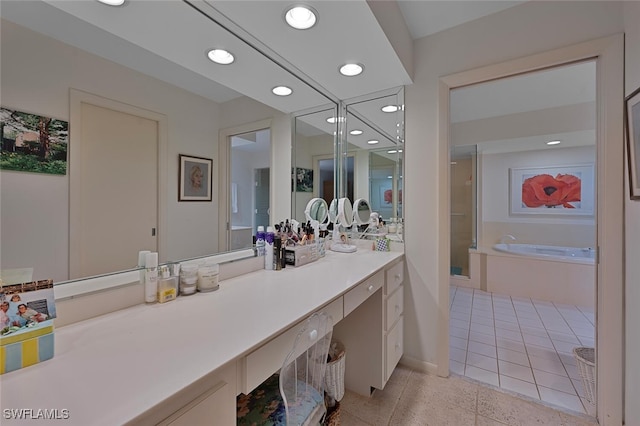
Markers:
{"x": 316, "y": 213}
{"x": 344, "y": 219}
{"x": 361, "y": 212}
{"x": 317, "y": 210}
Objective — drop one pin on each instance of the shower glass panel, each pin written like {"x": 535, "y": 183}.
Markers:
{"x": 463, "y": 207}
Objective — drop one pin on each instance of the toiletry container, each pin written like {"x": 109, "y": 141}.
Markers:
{"x": 268, "y": 246}
{"x": 151, "y": 278}
{"x": 188, "y": 279}
{"x": 167, "y": 285}
{"x": 208, "y": 277}
{"x": 142, "y": 258}
{"x": 260, "y": 241}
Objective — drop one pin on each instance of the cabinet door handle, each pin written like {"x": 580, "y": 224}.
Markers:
{"x": 397, "y": 276}
{"x": 370, "y": 288}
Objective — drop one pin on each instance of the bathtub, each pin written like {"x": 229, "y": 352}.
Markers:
{"x": 555, "y": 274}
{"x": 570, "y": 254}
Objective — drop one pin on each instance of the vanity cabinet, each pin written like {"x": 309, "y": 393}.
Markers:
{"x": 372, "y": 330}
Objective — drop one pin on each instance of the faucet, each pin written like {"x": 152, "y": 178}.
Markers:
{"x": 508, "y": 236}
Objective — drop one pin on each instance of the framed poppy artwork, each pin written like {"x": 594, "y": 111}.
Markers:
{"x": 557, "y": 190}
{"x": 632, "y": 119}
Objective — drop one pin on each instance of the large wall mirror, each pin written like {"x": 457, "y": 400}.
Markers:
{"x": 90, "y": 65}
{"x": 356, "y": 152}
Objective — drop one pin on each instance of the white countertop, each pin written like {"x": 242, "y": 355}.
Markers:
{"x": 110, "y": 369}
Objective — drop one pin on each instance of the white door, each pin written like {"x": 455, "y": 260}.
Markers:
{"x": 118, "y": 193}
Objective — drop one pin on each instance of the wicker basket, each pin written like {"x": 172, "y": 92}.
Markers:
{"x": 586, "y": 358}
{"x": 334, "y": 376}
{"x": 333, "y": 416}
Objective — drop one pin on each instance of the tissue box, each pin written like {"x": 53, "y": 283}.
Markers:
{"x": 26, "y": 347}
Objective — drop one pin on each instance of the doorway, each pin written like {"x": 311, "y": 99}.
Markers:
{"x": 249, "y": 187}
{"x": 608, "y": 208}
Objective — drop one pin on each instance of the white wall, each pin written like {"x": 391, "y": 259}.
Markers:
{"x": 495, "y": 194}
{"x": 632, "y": 226}
{"x": 519, "y": 31}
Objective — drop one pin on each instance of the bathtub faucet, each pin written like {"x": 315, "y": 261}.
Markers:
{"x": 508, "y": 236}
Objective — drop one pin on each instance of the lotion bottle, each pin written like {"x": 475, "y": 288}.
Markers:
{"x": 151, "y": 278}
{"x": 269, "y": 239}
{"x": 260, "y": 241}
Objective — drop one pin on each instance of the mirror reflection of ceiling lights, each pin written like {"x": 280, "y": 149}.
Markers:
{"x": 356, "y": 132}
{"x": 351, "y": 70}
{"x": 220, "y": 56}
{"x": 112, "y": 2}
{"x": 282, "y": 91}
{"x": 301, "y": 17}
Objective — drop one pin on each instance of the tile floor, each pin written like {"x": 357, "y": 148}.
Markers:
{"x": 520, "y": 345}
{"x": 412, "y": 398}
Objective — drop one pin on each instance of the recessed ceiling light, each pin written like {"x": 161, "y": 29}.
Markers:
{"x": 355, "y": 132}
{"x": 282, "y": 91}
{"x": 392, "y": 151}
{"x": 390, "y": 108}
{"x": 373, "y": 142}
{"x": 351, "y": 70}
{"x": 301, "y": 17}
{"x": 220, "y": 56}
{"x": 553, "y": 142}
{"x": 332, "y": 120}
{"x": 389, "y": 177}
{"x": 112, "y": 2}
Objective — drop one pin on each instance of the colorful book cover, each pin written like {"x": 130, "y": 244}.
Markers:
{"x": 26, "y": 307}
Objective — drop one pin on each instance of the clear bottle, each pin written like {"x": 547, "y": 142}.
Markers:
{"x": 167, "y": 285}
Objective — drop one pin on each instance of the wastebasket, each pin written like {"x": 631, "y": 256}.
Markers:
{"x": 586, "y": 360}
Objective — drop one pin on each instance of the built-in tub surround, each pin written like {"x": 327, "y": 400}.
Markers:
{"x": 560, "y": 278}
{"x": 584, "y": 255}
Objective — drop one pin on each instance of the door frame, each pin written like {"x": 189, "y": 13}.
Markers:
{"x": 76, "y": 98}
{"x": 608, "y": 52}
{"x": 224, "y": 164}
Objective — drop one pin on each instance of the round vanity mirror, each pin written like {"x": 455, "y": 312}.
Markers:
{"x": 316, "y": 210}
{"x": 345, "y": 213}
{"x": 361, "y": 212}
{"x": 333, "y": 211}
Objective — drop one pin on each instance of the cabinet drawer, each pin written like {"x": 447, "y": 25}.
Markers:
{"x": 268, "y": 358}
{"x": 394, "y": 307}
{"x": 362, "y": 292}
{"x": 394, "y": 277}
{"x": 394, "y": 348}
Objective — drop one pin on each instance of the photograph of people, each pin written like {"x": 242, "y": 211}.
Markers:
{"x": 29, "y": 314}
{"x": 4, "y": 316}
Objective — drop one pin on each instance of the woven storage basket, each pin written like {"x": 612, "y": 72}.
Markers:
{"x": 586, "y": 358}
{"x": 333, "y": 416}
{"x": 334, "y": 376}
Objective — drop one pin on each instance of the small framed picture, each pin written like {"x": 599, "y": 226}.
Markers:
{"x": 632, "y": 119}
{"x": 195, "y": 178}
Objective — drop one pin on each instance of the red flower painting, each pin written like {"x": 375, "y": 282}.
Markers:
{"x": 546, "y": 190}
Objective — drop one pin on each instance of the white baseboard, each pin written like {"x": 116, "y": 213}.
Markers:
{"x": 419, "y": 365}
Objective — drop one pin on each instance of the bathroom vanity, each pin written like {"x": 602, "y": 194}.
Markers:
{"x": 184, "y": 362}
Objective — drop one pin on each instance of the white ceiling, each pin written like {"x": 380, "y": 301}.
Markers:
{"x": 426, "y": 17}
{"x": 168, "y": 39}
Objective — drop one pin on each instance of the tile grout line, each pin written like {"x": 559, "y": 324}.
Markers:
{"x": 526, "y": 350}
